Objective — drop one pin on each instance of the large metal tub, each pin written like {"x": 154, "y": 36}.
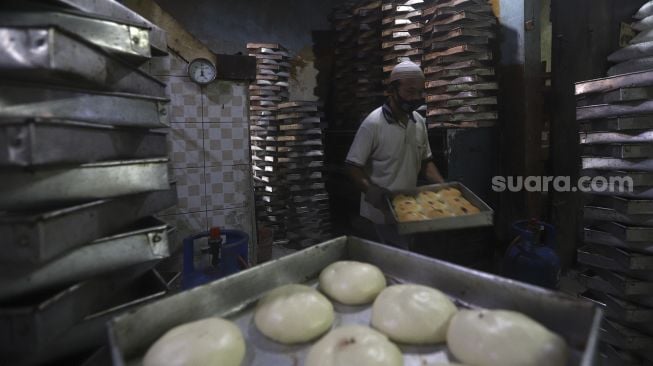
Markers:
{"x": 233, "y": 297}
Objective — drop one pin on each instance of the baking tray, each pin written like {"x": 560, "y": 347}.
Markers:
{"x": 629, "y": 136}
{"x": 638, "y": 79}
{"x": 610, "y": 283}
{"x": 614, "y": 110}
{"x": 624, "y": 337}
{"x": 128, "y": 41}
{"x": 132, "y": 333}
{"x": 28, "y": 143}
{"x": 610, "y": 214}
{"x": 90, "y": 332}
{"x": 637, "y": 123}
{"x": 634, "y": 265}
{"x": 617, "y": 96}
{"x": 31, "y": 322}
{"x": 628, "y": 233}
{"x": 33, "y": 238}
{"x": 619, "y": 309}
{"x": 49, "y": 55}
{"x": 23, "y": 189}
{"x": 596, "y": 236}
{"x": 638, "y": 165}
{"x": 118, "y": 11}
{"x": 144, "y": 242}
{"x": 613, "y": 356}
{"x": 620, "y": 151}
{"x": 43, "y": 102}
{"x": 484, "y": 218}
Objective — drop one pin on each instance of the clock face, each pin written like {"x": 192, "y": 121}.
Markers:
{"x": 201, "y": 71}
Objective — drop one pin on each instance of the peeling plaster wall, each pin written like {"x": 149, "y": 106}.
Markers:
{"x": 226, "y": 26}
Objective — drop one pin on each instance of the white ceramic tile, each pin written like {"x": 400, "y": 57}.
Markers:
{"x": 185, "y": 99}
{"x": 186, "y": 145}
{"x": 228, "y": 186}
{"x": 191, "y": 191}
{"x": 225, "y": 102}
{"x": 185, "y": 225}
{"x": 226, "y": 144}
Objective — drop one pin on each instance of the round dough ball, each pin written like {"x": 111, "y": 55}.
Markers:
{"x": 206, "y": 342}
{"x": 293, "y": 314}
{"x": 503, "y": 338}
{"x": 410, "y": 216}
{"x": 413, "y": 314}
{"x": 352, "y": 283}
{"x": 354, "y": 345}
{"x": 449, "y": 192}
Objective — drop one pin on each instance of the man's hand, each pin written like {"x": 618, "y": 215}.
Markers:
{"x": 376, "y": 196}
{"x": 431, "y": 172}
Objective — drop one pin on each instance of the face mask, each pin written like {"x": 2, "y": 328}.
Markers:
{"x": 409, "y": 106}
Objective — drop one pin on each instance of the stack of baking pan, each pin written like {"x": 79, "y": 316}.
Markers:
{"x": 269, "y": 89}
{"x": 401, "y": 32}
{"x": 461, "y": 86}
{"x": 615, "y": 116}
{"x": 369, "y": 57}
{"x": 344, "y": 23}
{"x": 637, "y": 55}
{"x": 84, "y": 167}
{"x": 294, "y": 186}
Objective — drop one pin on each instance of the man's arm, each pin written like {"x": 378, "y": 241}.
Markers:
{"x": 360, "y": 178}
{"x": 431, "y": 172}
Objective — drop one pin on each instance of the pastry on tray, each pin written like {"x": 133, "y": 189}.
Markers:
{"x": 429, "y": 205}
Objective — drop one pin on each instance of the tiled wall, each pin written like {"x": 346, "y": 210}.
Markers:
{"x": 209, "y": 151}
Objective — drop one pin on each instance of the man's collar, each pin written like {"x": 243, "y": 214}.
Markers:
{"x": 389, "y": 116}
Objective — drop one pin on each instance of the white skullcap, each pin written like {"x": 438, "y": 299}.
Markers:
{"x": 406, "y": 70}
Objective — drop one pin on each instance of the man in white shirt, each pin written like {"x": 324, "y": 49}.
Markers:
{"x": 390, "y": 149}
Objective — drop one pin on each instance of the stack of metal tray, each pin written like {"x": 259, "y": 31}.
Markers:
{"x": 234, "y": 298}
{"x": 401, "y": 32}
{"x": 344, "y": 21}
{"x": 293, "y": 186}
{"x": 368, "y": 58}
{"x": 484, "y": 218}
{"x": 637, "y": 55}
{"x": 461, "y": 86}
{"x": 270, "y": 89}
{"x": 615, "y": 115}
{"x": 83, "y": 157}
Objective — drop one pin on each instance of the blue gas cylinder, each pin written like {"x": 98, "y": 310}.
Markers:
{"x": 531, "y": 257}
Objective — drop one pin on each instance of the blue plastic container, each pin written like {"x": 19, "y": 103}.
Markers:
{"x": 234, "y": 258}
{"x": 531, "y": 257}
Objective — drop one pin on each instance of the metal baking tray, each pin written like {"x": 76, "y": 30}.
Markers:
{"x": 118, "y": 11}
{"x": 43, "y": 102}
{"x": 610, "y": 214}
{"x": 147, "y": 241}
{"x": 620, "y": 151}
{"x": 49, "y": 55}
{"x": 635, "y": 265}
{"x": 605, "y": 281}
{"x": 639, "y": 165}
{"x": 483, "y": 218}
{"x": 617, "y": 96}
{"x": 593, "y": 235}
{"x": 233, "y": 297}
{"x": 637, "y": 123}
{"x": 33, "y": 321}
{"x": 628, "y": 233}
{"x": 637, "y": 79}
{"x": 129, "y": 41}
{"x": 624, "y": 337}
{"x": 28, "y": 143}
{"x": 619, "y": 309}
{"x": 617, "y": 137}
{"x": 614, "y": 110}
{"x": 613, "y": 356}
{"x": 21, "y": 189}
{"x": 33, "y": 238}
